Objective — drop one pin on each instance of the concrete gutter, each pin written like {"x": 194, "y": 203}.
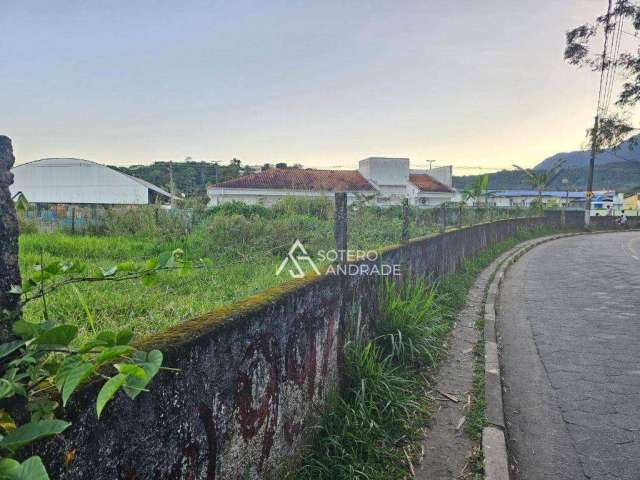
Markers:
{"x": 494, "y": 447}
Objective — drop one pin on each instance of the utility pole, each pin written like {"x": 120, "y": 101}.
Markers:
{"x": 596, "y": 122}
{"x": 592, "y": 161}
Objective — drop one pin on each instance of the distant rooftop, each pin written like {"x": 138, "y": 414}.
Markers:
{"x": 426, "y": 183}
{"x": 299, "y": 179}
{"x": 534, "y": 193}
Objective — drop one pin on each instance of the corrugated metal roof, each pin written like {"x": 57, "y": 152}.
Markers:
{"x": 78, "y": 181}
{"x": 534, "y": 193}
{"x": 299, "y": 179}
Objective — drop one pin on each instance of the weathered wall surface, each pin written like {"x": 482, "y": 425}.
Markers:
{"x": 9, "y": 271}
{"x": 252, "y": 377}
{"x": 610, "y": 222}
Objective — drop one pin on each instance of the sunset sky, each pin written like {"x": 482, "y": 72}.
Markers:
{"x": 323, "y": 83}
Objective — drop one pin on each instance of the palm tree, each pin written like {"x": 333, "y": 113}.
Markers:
{"x": 476, "y": 190}
{"x": 540, "y": 180}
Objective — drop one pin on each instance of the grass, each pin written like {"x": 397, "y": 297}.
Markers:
{"x": 373, "y": 429}
{"x": 244, "y": 243}
{"x": 175, "y": 296}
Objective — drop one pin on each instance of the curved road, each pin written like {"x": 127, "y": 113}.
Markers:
{"x": 569, "y": 317}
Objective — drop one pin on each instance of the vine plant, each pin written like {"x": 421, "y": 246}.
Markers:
{"x": 45, "y": 363}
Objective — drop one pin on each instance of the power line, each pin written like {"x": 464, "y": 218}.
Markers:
{"x": 613, "y": 65}
{"x": 594, "y": 132}
{"x": 604, "y": 60}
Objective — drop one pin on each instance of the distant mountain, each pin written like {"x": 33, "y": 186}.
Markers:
{"x": 580, "y": 158}
{"x": 621, "y": 176}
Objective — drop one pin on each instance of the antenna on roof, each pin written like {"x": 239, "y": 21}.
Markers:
{"x": 430, "y": 162}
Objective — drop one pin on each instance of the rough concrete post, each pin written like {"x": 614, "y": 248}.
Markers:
{"x": 9, "y": 230}
{"x": 460, "y": 215}
{"x": 73, "y": 220}
{"x": 405, "y": 220}
{"x": 443, "y": 218}
{"x": 340, "y": 225}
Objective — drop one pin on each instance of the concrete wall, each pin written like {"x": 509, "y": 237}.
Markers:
{"x": 252, "y": 377}
{"x": 610, "y": 222}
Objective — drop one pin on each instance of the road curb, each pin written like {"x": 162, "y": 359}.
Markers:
{"x": 494, "y": 447}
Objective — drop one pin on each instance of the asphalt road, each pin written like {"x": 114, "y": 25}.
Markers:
{"x": 569, "y": 317}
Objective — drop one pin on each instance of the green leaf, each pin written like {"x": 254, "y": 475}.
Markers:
{"x": 30, "y": 469}
{"x": 163, "y": 259}
{"x": 131, "y": 370}
{"x": 74, "y": 267}
{"x": 107, "y": 392}
{"x": 28, "y": 330}
{"x": 27, "y": 285}
{"x": 74, "y": 378}
{"x": 54, "y": 268}
{"x": 42, "y": 408}
{"x": 109, "y": 272}
{"x": 7, "y": 466}
{"x": 151, "y": 264}
{"x": 123, "y": 337}
{"x": 58, "y": 336}
{"x": 40, "y": 276}
{"x": 128, "y": 266}
{"x": 31, "y": 432}
{"x": 6, "y": 388}
{"x": 150, "y": 363}
{"x": 10, "y": 347}
{"x": 69, "y": 364}
{"x": 113, "y": 352}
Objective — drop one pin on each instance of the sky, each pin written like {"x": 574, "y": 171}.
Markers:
{"x": 469, "y": 83}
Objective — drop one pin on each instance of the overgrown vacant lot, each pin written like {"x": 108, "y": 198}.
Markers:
{"x": 242, "y": 245}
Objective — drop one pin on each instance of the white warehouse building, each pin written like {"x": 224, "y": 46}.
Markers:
{"x": 73, "y": 181}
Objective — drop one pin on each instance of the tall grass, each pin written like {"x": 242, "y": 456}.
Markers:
{"x": 373, "y": 428}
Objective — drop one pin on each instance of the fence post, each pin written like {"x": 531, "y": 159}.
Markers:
{"x": 404, "y": 236}
{"x": 73, "y": 220}
{"x": 9, "y": 231}
{"x": 443, "y": 220}
{"x": 460, "y": 215}
{"x": 340, "y": 225}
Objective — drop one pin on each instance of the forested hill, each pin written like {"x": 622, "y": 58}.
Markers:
{"x": 621, "y": 176}
{"x": 191, "y": 178}
{"x": 628, "y": 150}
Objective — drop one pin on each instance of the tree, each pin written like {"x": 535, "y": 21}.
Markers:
{"x": 622, "y": 15}
{"x": 476, "y": 190}
{"x": 540, "y": 180}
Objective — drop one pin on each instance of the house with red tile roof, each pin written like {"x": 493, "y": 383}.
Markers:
{"x": 385, "y": 181}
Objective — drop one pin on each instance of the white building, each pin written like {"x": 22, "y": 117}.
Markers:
{"x": 73, "y": 181}
{"x": 385, "y": 180}
{"x": 525, "y": 198}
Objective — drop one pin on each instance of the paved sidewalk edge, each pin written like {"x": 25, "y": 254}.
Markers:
{"x": 494, "y": 448}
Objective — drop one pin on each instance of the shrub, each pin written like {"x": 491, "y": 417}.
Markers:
{"x": 319, "y": 207}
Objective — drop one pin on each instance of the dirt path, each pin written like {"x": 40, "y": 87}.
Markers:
{"x": 446, "y": 446}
